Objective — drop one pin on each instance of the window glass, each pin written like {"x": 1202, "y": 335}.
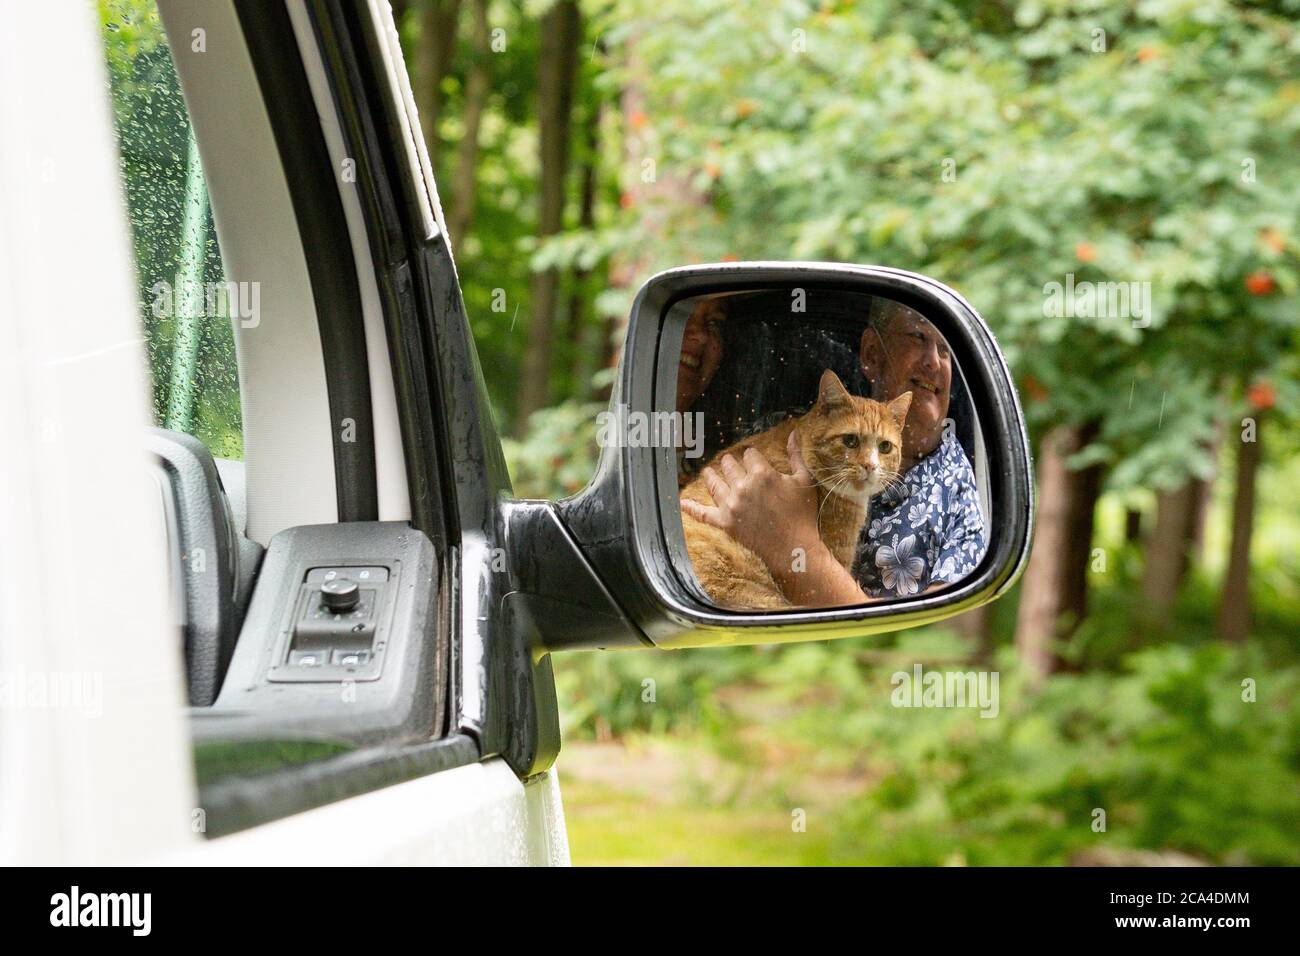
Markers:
{"x": 185, "y": 302}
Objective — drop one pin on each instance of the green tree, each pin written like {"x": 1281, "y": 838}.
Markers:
{"x": 1003, "y": 148}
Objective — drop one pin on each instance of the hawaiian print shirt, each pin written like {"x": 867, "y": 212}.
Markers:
{"x": 925, "y": 530}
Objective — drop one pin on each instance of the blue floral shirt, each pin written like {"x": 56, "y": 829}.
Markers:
{"x": 925, "y": 530}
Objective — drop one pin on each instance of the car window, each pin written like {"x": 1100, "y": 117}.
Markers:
{"x": 185, "y": 302}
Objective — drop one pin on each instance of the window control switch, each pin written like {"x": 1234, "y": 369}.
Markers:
{"x": 336, "y": 627}
{"x": 343, "y": 658}
{"x": 320, "y": 626}
{"x": 308, "y": 658}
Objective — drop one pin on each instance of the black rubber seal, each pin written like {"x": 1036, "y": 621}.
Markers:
{"x": 237, "y": 803}
{"x": 327, "y": 246}
{"x": 369, "y": 137}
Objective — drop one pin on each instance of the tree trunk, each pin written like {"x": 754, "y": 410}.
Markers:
{"x": 1234, "y": 608}
{"x": 1167, "y": 551}
{"x": 583, "y": 332}
{"x": 1133, "y": 526}
{"x": 433, "y": 55}
{"x": 1175, "y": 543}
{"x": 1202, "y": 498}
{"x": 557, "y": 74}
{"x": 1054, "y": 592}
{"x": 477, "y": 86}
{"x": 1081, "y": 516}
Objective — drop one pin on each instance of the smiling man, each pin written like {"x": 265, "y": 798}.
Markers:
{"x": 923, "y": 532}
{"x": 926, "y": 529}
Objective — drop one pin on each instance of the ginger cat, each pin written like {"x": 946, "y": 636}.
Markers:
{"x": 853, "y": 448}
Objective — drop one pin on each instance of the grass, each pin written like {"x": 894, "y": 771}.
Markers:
{"x": 613, "y": 827}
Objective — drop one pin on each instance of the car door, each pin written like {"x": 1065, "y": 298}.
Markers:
{"x": 318, "y": 428}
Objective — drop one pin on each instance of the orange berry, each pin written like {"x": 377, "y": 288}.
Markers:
{"x": 1261, "y": 395}
{"x": 1085, "y": 252}
{"x": 1260, "y": 283}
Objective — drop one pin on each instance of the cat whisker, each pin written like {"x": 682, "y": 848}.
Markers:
{"x": 844, "y": 476}
{"x": 822, "y": 475}
{"x": 890, "y": 480}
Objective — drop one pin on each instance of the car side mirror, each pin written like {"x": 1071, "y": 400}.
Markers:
{"x": 793, "y": 451}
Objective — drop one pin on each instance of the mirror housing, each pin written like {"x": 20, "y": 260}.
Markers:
{"x": 609, "y": 557}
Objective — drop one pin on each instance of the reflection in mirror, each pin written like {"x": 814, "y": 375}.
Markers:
{"x": 839, "y": 455}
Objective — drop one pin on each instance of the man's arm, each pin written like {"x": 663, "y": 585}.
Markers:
{"x": 775, "y": 516}
{"x": 823, "y": 582}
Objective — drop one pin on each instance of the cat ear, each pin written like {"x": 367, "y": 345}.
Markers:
{"x": 899, "y": 406}
{"x": 831, "y": 392}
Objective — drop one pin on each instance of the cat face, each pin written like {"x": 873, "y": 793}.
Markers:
{"x": 853, "y": 446}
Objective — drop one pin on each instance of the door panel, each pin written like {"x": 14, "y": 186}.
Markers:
{"x": 477, "y": 815}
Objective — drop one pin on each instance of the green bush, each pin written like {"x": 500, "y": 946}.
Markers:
{"x": 1168, "y": 749}
{"x": 559, "y": 454}
{"x": 1163, "y": 743}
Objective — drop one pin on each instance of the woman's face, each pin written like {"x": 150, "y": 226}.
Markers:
{"x": 701, "y": 352}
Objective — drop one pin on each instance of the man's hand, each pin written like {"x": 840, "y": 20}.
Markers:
{"x": 773, "y": 515}
{"x": 770, "y": 513}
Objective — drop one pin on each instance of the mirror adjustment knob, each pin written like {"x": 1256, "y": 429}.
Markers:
{"x": 340, "y": 595}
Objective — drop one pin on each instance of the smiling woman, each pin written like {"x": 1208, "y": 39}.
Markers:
{"x": 840, "y": 455}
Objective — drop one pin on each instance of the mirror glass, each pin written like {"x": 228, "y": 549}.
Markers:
{"x": 827, "y": 451}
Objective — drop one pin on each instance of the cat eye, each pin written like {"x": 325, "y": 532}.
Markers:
{"x": 886, "y": 447}
{"x": 850, "y": 441}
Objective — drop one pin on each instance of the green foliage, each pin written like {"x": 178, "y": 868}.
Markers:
{"x": 1150, "y": 727}
{"x": 1168, "y": 750}
{"x": 607, "y": 694}
{"x": 558, "y": 454}
{"x": 1002, "y": 148}
{"x": 1166, "y": 747}
{"x": 497, "y": 256}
